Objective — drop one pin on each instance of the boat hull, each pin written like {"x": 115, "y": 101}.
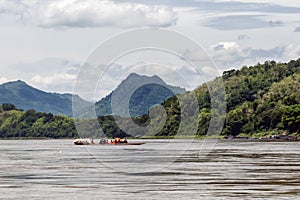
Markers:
{"x": 116, "y": 144}
{"x": 131, "y": 143}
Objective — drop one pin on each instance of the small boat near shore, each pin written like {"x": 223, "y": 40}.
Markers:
{"x": 116, "y": 141}
{"x": 276, "y": 138}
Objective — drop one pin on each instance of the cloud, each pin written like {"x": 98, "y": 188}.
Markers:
{"x": 291, "y": 51}
{"x": 265, "y": 6}
{"x": 48, "y": 74}
{"x": 3, "y": 80}
{"x": 58, "y": 82}
{"x": 57, "y": 78}
{"x": 16, "y": 7}
{"x": 243, "y": 37}
{"x": 225, "y": 46}
{"x": 297, "y": 29}
{"x": 90, "y": 13}
{"x": 231, "y": 55}
{"x": 239, "y": 6}
{"x": 240, "y": 22}
{"x": 227, "y": 55}
{"x": 45, "y": 66}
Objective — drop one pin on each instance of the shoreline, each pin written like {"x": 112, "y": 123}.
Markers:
{"x": 221, "y": 138}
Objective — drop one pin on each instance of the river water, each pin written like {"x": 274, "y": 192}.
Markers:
{"x": 159, "y": 169}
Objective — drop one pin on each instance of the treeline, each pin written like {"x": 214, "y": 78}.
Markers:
{"x": 15, "y": 123}
{"x": 264, "y": 98}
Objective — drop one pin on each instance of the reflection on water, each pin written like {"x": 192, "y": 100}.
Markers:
{"x": 57, "y": 169}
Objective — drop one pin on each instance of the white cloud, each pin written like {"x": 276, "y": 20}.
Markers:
{"x": 48, "y": 74}
{"x": 58, "y": 82}
{"x": 53, "y": 79}
{"x": 52, "y": 65}
{"x": 232, "y": 55}
{"x": 242, "y": 22}
{"x": 290, "y": 3}
{"x": 227, "y": 55}
{"x": 90, "y": 13}
{"x": 243, "y": 37}
{"x": 3, "y": 80}
{"x": 297, "y": 29}
{"x": 16, "y": 7}
{"x": 291, "y": 51}
{"x": 226, "y": 45}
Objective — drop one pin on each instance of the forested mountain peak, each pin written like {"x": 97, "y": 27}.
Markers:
{"x": 147, "y": 91}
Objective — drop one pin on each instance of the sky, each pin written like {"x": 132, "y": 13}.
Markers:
{"x": 45, "y": 43}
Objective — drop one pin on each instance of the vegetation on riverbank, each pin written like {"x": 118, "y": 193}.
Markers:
{"x": 16, "y": 123}
{"x": 261, "y": 100}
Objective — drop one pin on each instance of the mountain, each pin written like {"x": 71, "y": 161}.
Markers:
{"x": 141, "y": 93}
{"x": 26, "y": 97}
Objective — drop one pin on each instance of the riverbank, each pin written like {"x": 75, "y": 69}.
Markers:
{"x": 242, "y": 137}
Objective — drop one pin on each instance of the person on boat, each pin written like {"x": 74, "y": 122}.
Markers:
{"x": 118, "y": 140}
{"x": 125, "y": 140}
{"x": 102, "y": 141}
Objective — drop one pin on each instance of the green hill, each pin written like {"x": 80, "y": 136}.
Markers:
{"x": 261, "y": 99}
{"x": 153, "y": 90}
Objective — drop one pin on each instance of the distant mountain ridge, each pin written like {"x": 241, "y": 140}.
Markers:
{"x": 26, "y": 97}
{"x": 153, "y": 91}
{"x": 145, "y": 92}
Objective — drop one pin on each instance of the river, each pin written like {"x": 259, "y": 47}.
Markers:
{"x": 159, "y": 169}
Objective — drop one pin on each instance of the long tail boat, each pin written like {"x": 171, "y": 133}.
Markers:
{"x": 116, "y": 141}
